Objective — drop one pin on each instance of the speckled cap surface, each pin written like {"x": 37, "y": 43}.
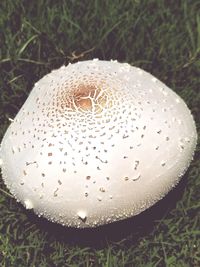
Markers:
{"x": 96, "y": 142}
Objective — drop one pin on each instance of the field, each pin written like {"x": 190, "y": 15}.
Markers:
{"x": 162, "y": 37}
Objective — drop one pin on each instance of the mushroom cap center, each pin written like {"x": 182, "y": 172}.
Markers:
{"x": 85, "y": 96}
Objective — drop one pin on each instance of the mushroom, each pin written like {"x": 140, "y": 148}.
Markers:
{"x": 96, "y": 142}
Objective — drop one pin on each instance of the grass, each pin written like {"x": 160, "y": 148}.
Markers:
{"x": 162, "y": 37}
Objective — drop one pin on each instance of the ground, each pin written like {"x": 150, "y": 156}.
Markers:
{"x": 162, "y": 37}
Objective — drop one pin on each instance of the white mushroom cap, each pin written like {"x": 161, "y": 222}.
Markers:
{"x": 96, "y": 142}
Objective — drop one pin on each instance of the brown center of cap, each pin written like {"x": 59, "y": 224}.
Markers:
{"x": 85, "y": 97}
